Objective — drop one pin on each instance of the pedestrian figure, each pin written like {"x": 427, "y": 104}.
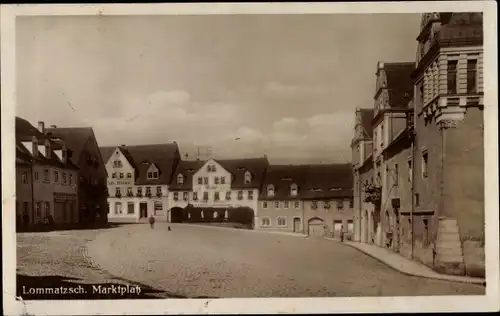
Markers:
{"x": 342, "y": 233}
{"x": 152, "y": 222}
{"x": 169, "y": 228}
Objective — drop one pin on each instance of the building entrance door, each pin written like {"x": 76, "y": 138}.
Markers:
{"x": 143, "y": 210}
{"x": 397, "y": 233}
{"x": 296, "y": 225}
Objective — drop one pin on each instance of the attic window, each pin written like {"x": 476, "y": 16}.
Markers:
{"x": 270, "y": 190}
{"x": 180, "y": 179}
{"x": 335, "y": 189}
{"x": 248, "y": 177}
{"x": 153, "y": 175}
{"x": 211, "y": 168}
{"x": 293, "y": 189}
{"x": 190, "y": 170}
{"x": 317, "y": 190}
{"x": 286, "y": 178}
{"x": 240, "y": 168}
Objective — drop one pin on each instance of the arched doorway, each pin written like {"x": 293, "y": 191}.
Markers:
{"x": 176, "y": 215}
{"x": 316, "y": 227}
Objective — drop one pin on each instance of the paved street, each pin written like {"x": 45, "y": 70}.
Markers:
{"x": 197, "y": 261}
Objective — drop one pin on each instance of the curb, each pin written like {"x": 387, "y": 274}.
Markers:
{"x": 442, "y": 277}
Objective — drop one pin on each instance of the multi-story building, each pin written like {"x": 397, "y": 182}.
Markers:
{"x": 328, "y": 200}
{"x": 92, "y": 191}
{"x": 24, "y": 187}
{"x": 138, "y": 180}
{"x": 448, "y": 170}
{"x": 280, "y": 200}
{"x": 52, "y": 178}
{"x": 362, "y": 162}
{"x": 216, "y": 183}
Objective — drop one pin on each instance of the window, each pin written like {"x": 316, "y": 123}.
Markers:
{"x": 24, "y": 178}
{"x": 195, "y": 196}
{"x": 121, "y": 175}
{"x": 64, "y": 178}
{"x": 185, "y": 196}
{"x": 270, "y": 190}
{"x": 286, "y": 204}
{"x": 200, "y": 180}
{"x": 118, "y": 208}
{"x": 129, "y": 192}
{"x": 248, "y": 177}
{"x": 158, "y": 208}
{"x": 38, "y": 209}
{"x": 153, "y": 175}
{"x": 176, "y": 196}
{"x": 351, "y": 203}
{"x": 25, "y": 207}
{"x": 426, "y": 231}
{"x": 417, "y": 199}
{"x": 396, "y": 175}
{"x": 139, "y": 191}
{"x": 293, "y": 190}
{"x": 471, "y": 76}
{"x": 113, "y": 175}
{"x": 36, "y": 175}
{"x": 340, "y": 205}
{"x": 425, "y": 157}
{"x": 216, "y": 196}
{"x": 205, "y": 196}
{"x": 381, "y": 135}
{"x": 216, "y": 180}
{"x": 129, "y": 175}
{"x": 264, "y": 204}
{"x": 265, "y": 221}
{"x": 250, "y": 195}
{"x": 56, "y": 176}
{"x": 205, "y": 180}
{"x": 46, "y": 175}
{"x": 409, "y": 171}
{"x": 421, "y": 93}
{"x": 180, "y": 179}
{"x": 222, "y": 180}
{"x": 277, "y": 204}
{"x": 240, "y": 195}
{"x": 327, "y": 205}
{"x": 228, "y": 195}
{"x": 452, "y": 77}
{"x": 46, "y": 211}
{"x": 281, "y": 221}
{"x": 148, "y": 190}
{"x": 314, "y": 205}
{"x": 70, "y": 178}
{"x": 297, "y": 204}
{"x": 130, "y": 208}
{"x": 158, "y": 191}
{"x": 213, "y": 168}
{"x": 209, "y": 168}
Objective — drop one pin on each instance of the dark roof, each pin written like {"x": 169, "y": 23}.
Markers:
{"x": 399, "y": 83}
{"x": 25, "y": 133}
{"x": 75, "y": 138}
{"x": 282, "y": 177}
{"x": 329, "y": 181}
{"x": 187, "y": 169}
{"x": 366, "y": 122}
{"x": 164, "y": 156}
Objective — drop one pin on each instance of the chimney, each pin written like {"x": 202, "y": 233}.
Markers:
{"x": 34, "y": 142}
{"x": 48, "y": 149}
{"x": 41, "y": 127}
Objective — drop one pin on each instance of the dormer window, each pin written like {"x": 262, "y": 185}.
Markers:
{"x": 152, "y": 175}
{"x": 270, "y": 190}
{"x": 248, "y": 177}
{"x": 180, "y": 179}
{"x": 293, "y": 190}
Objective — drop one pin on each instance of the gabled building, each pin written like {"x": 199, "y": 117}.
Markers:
{"x": 280, "y": 200}
{"x": 92, "y": 190}
{"x": 138, "y": 180}
{"x": 46, "y": 179}
{"x": 448, "y": 170}
{"x": 216, "y": 183}
{"x": 362, "y": 163}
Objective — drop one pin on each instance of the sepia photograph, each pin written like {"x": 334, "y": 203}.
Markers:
{"x": 204, "y": 154}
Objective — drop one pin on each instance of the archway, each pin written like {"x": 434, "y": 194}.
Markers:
{"x": 316, "y": 227}
{"x": 176, "y": 215}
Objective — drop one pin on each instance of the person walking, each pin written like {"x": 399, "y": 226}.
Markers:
{"x": 342, "y": 233}
{"x": 152, "y": 221}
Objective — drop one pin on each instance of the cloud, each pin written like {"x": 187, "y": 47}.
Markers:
{"x": 278, "y": 88}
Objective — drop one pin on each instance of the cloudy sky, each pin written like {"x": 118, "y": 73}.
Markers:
{"x": 247, "y": 85}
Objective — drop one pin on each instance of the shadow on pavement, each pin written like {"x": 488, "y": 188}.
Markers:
{"x": 56, "y": 287}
